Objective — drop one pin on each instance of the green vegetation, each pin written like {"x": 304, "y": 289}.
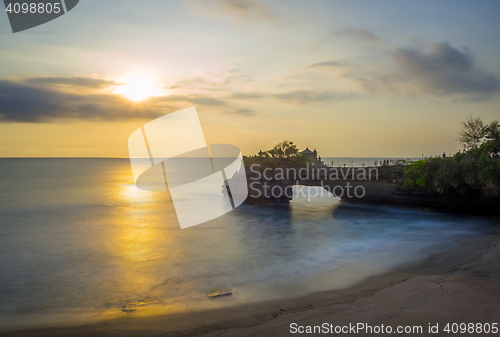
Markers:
{"x": 417, "y": 175}
{"x": 478, "y": 167}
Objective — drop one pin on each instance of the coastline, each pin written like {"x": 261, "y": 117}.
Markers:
{"x": 460, "y": 285}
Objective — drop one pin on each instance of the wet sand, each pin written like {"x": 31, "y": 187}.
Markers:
{"x": 461, "y": 285}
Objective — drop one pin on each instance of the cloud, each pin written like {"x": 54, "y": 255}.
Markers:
{"x": 192, "y": 99}
{"x": 307, "y": 96}
{"x": 328, "y": 64}
{"x": 210, "y": 80}
{"x": 87, "y": 82}
{"x": 359, "y": 34}
{"x": 21, "y": 102}
{"x": 203, "y": 100}
{"x": 247, "y": 9}
{"x": 445, "y": 70}
{"x": 441, "y": 70}
{"x": 237, "y": 9}
{"x": 245, "y": 96}
{"x": 246, "y": 112}
{"x": 24, "y": 103}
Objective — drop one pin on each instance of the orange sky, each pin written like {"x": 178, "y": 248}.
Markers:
{"x": 393, "y": 80}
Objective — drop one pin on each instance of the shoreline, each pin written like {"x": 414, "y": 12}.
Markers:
{"x": 465, "y": 279}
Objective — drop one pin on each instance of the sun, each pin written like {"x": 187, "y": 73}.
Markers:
{"x": 138, "y": 87}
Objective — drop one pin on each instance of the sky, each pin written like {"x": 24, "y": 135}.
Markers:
{"x": 349, "y": 78}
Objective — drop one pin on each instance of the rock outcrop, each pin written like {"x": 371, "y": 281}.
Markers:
{"x": 381, "y": 185}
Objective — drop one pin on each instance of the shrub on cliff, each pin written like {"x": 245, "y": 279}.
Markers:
{"x": 462, "y": 173}
{"x": 478, "y": 168}
{"x": 416, "y": 175}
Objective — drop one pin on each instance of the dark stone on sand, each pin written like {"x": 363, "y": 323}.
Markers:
{"x": 131, "y": 307}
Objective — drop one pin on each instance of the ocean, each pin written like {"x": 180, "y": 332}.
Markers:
{"x": 79, "y": 242}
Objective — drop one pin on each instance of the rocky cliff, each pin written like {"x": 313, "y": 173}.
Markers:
{"x": 381, "y": 185}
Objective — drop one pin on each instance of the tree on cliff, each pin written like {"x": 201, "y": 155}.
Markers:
{"x": 493, "y": 131}
{"x": 492, "y": 144}
{"x": 477, "y": 135}
{"x": 283, "y": 154}
{"x": 473, "y": 133}
{"x": 284, "y": 149}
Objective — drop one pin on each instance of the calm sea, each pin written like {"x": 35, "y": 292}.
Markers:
{"x": 78, "y": 242}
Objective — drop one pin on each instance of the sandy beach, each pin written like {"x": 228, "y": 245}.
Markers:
{"x": 461, "y": 285}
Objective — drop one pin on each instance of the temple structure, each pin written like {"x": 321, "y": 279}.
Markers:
{"x": 314, "y": 154}
{"x": 308, "y": 152}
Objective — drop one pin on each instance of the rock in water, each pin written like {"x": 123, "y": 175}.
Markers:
{"x": 220, "y": 292}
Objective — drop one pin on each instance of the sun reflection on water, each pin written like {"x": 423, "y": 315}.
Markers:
{"x": 138, "y": 239}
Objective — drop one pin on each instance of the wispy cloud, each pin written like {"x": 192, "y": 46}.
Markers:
{"x": 310, "y": 96}
{"x": 246, "y": 112}
{"x": 247, "y": 9}
{"x": 359, "y": 34}
{"x": 199, "y": 100}
{"x": 237, "y": 9}
{"x": 207, "y": 81}
{"x": 88, "y": 82}
{"x": 245, "y": 96}
{"x": 328, "y": 64}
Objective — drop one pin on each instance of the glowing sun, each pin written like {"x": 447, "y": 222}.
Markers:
{"x": 139, "y": 87}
